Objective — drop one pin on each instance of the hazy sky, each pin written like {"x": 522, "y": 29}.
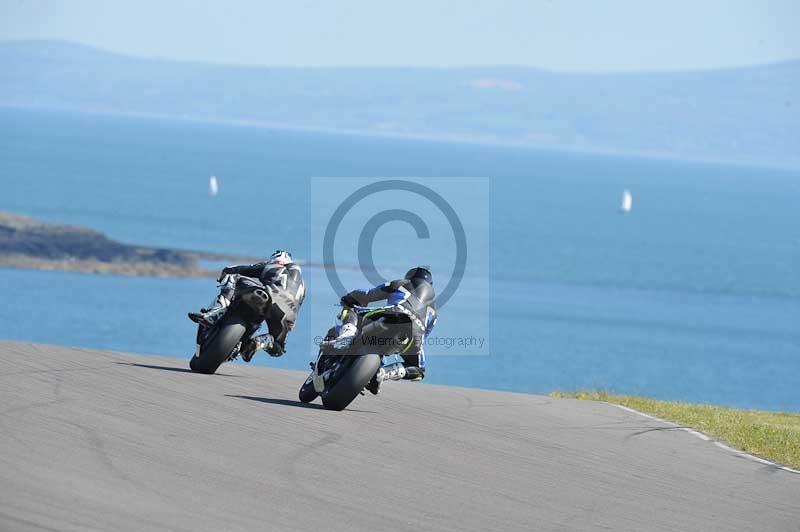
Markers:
{"x": 565, "y": 35}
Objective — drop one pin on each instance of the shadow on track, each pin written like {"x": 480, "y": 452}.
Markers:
{"x": 289, "y": 402}
{"x": 284, "y": 402}
{"x": 171, "y": 368}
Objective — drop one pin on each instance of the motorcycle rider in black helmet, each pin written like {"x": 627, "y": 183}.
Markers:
{"x": 413, "y": 300}
{"x": 283, "y": 279}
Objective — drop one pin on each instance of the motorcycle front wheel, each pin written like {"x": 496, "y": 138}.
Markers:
{"x": 307, "y": 391}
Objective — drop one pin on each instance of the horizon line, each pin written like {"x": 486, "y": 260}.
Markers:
{"x": 243, "y": 65}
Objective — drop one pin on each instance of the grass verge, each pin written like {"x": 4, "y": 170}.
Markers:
{"x": 771, "y": 435}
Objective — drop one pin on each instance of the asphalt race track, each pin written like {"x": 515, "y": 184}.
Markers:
{"x": 93, "y": 440}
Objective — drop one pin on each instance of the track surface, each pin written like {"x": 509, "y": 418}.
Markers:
{"x": 94, "y": 440}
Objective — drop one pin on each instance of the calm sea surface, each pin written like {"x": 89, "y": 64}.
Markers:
{"x": 694, "y": 296}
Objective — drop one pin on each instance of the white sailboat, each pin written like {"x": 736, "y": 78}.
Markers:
{"x": 213, "y": 186}
{"x": 627, "y": 202}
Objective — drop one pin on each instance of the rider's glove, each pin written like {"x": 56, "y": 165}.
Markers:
{"x": 225, "y": 271}
{"x": 348, "y": 301}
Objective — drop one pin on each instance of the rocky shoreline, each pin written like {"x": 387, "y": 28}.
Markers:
{"x": 30, "y": 244}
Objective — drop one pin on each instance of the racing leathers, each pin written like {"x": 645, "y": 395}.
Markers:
{"x": 286, "y": 288}
{"x": 407, "y": 319}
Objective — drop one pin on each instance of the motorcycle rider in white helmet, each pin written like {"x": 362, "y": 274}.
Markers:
{"x": 284, "y": 281}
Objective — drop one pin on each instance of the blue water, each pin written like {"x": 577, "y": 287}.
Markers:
{"x": 694, "y": 296}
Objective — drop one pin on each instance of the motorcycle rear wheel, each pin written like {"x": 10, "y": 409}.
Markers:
{"x": 349, "y": 385}
{"x": 218, "y": 348}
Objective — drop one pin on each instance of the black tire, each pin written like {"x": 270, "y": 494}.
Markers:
{"x": 307, "y": 391}
{"x": 361, "y": 370}
{"x": 217, "y": 349}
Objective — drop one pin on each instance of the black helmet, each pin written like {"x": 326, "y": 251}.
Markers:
{"x": 420, "y": 272}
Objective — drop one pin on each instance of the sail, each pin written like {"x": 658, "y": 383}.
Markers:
{"x": 627, "y": 201}
{"x": 213, "y": 186}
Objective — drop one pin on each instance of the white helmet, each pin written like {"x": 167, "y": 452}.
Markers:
{"x": 280, "y": 257}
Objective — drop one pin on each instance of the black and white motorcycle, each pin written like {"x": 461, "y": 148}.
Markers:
{"x": 223, "y": 341}
{"x": 340, "y": 375}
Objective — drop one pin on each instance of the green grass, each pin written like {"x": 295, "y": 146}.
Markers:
{"x": 771, "y": 435}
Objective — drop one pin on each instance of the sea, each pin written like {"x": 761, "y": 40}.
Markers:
{"x": 693, "y": 296}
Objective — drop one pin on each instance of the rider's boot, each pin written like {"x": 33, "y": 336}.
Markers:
{"x": 208, "y": 317}
{"x": 262, "y": 341}
{"x": 346, "y": 335}
{"x": 414, "y": 374}
{"x": 393, "y": 372}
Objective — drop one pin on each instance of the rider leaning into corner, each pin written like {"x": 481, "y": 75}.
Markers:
{"x": 413, "y": 302}
{"x": 283, "y": 280}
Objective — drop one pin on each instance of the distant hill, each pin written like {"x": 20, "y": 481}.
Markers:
{"x": 28, "y": 243}
{"x": 740, "y": 115}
